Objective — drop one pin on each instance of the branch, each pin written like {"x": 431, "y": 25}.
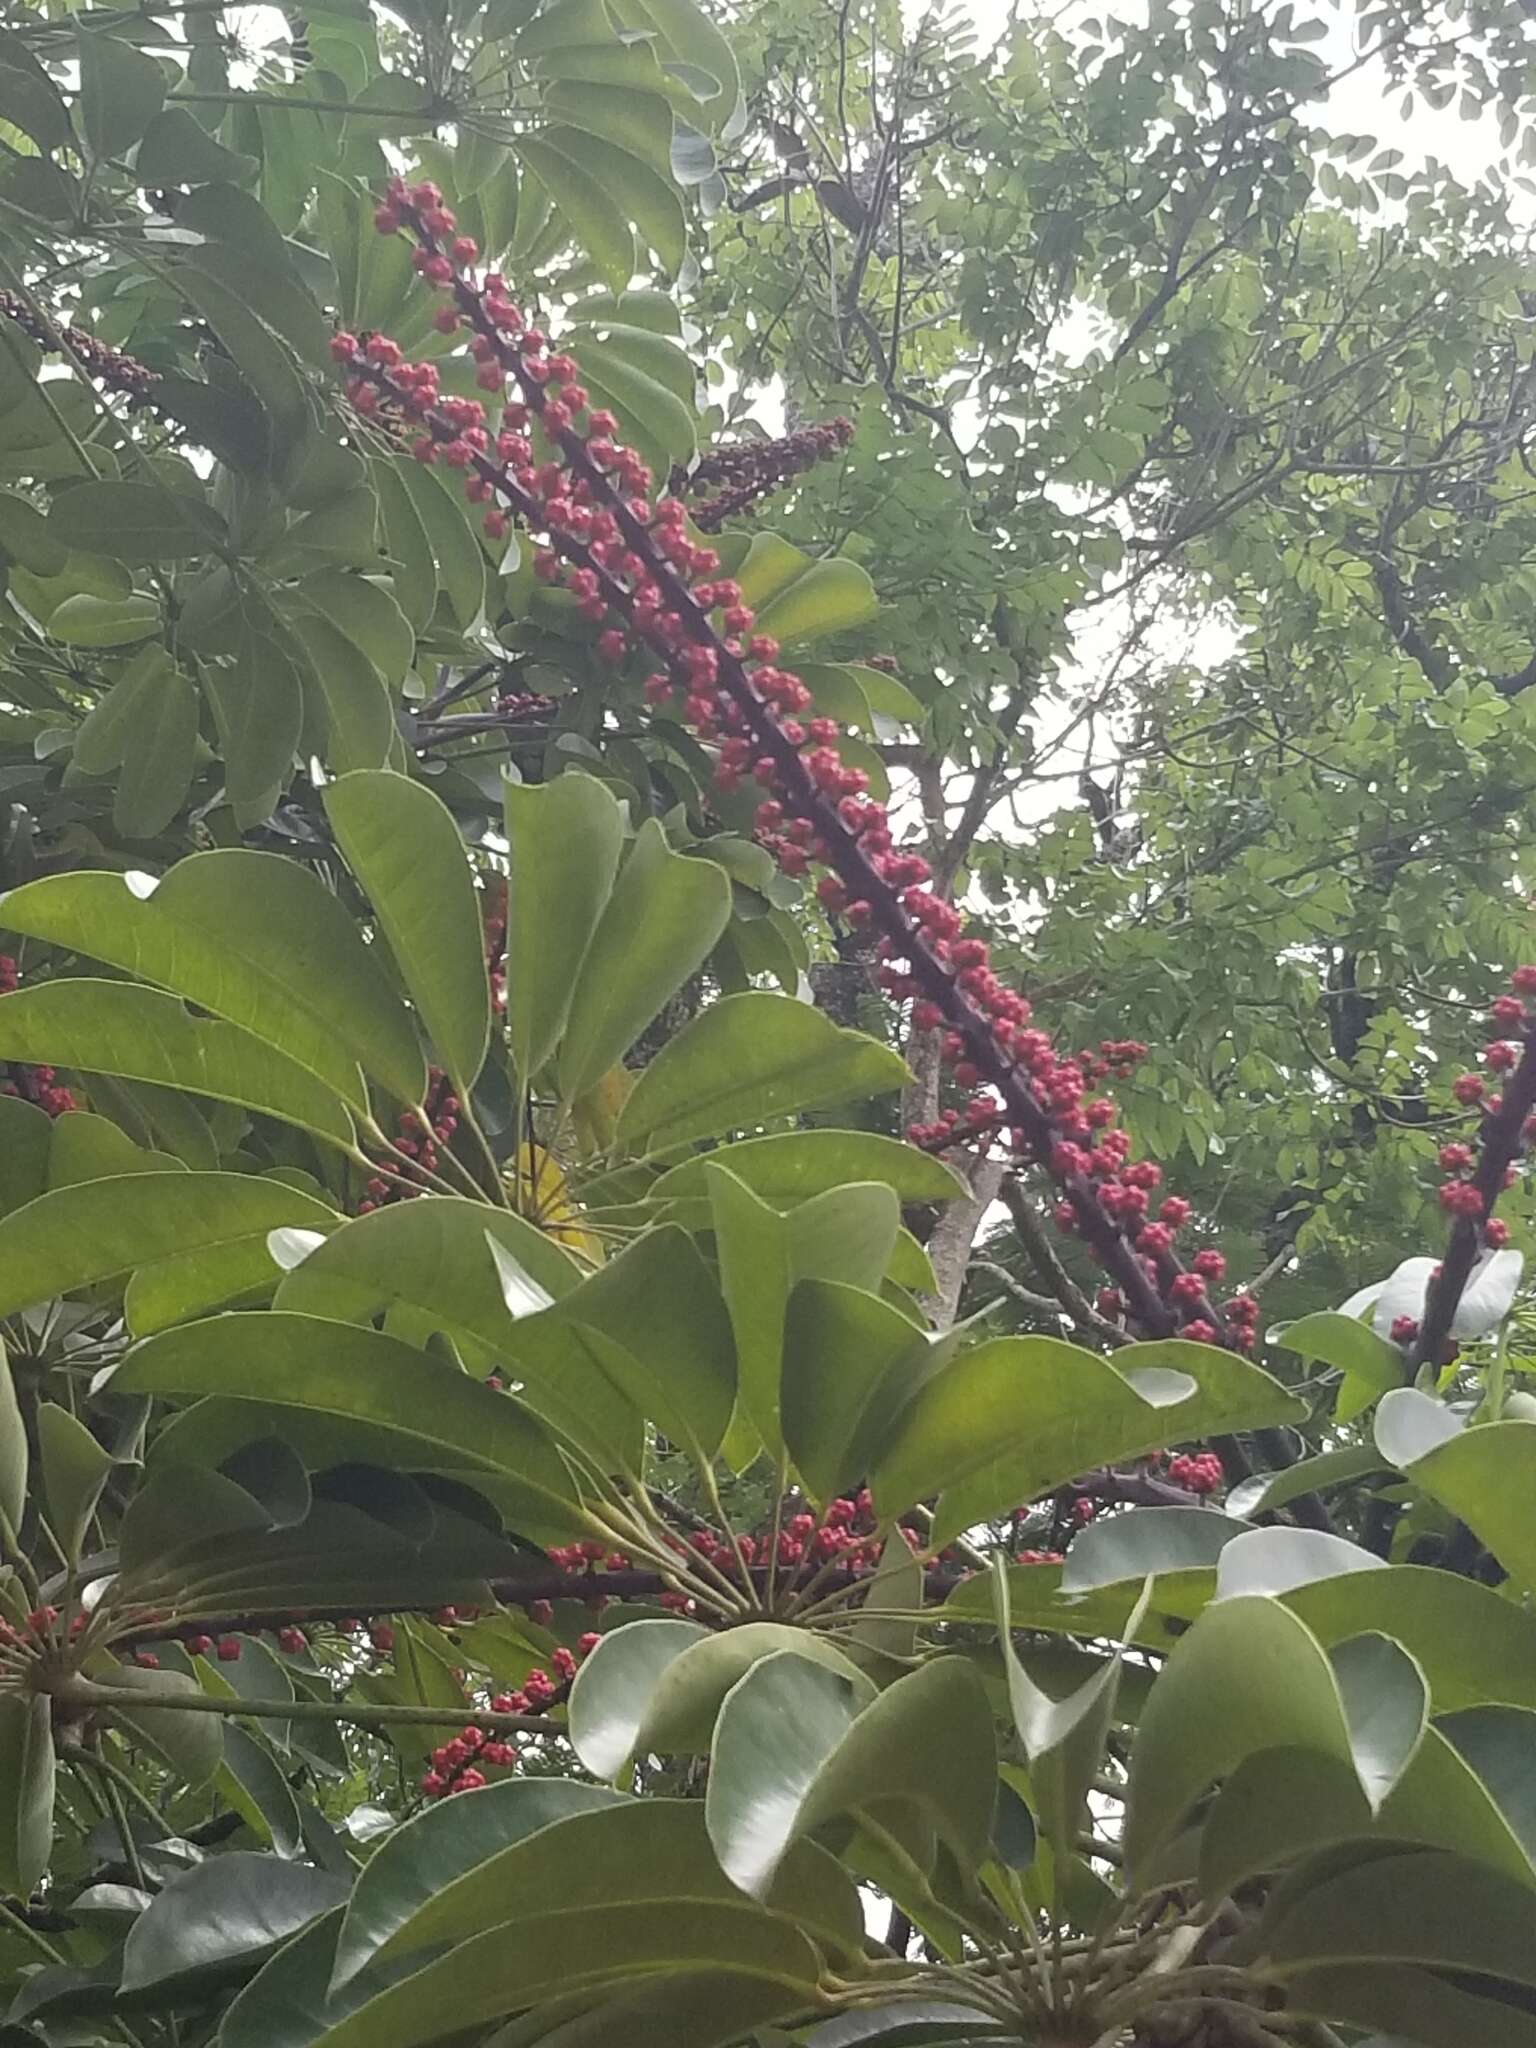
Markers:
{"x": 85, "y": 1694}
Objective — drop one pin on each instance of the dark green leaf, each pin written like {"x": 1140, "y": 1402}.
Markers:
{"x": 75, "y": 1469}
{"x": 160, "y": 755}
{"x": 222, "y": 1917}
{"x": 121, "y": 91}
{"x": 565, "y": 838}
{"x": 133, "y": 522}
{"x": 26, "y": 1791}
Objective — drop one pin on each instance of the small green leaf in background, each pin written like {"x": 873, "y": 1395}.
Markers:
{"x": 223, "y": 1914}
{"x": 404, "y": 848}
{"x": 661, "y": 922}
{"x": 133, "y": 522}
{"x": 160, "y": 754}
{"x": 121, "y": 92}
{"x": 566, "y": 837}
{"x": 26, "y": 1791}
{"x": 75, "y": 1469}
{"x": 13, "y": 1451}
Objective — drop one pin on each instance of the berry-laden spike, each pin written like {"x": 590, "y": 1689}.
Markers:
{"x": 635, "y": 571}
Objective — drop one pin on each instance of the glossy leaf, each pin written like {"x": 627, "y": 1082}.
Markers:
{"x": 1279, "y": 1559}
{"x": 660, "y": 924}
{"x": 1015, "y": 1417}
{"x": 850, "y": 1361}
{"x": 747, "y": 1060}
{"x": 254, "y": 938}
{"x": 94, "y": 1230}
{"x": 111, "y": 1027}
{"x": 1179, "y": 1547}
{"x": 403, "y": 846}
{"x": 565, "y": 838}
{"x": 1386, "y": 1706}
{"x": 75, "y": 1468}
{"x": 791, "y": 1166}
{"x": 614, "y": 1687}
{"x": 224, "y": 1914}
{"x": 793, "y": 1750}
{"x": 1247, "y": 1677}
{"x": 1484, "y": 1476}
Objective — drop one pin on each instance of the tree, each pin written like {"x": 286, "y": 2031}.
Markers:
{"x": 505, "y": 1537}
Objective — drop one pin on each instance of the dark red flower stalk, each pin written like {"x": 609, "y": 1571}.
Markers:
{"x": 751, "y": 470}
{"x": 1478, "y": 1177}
{"x": 109, "y": 366}
{"x": 638, "y": 574}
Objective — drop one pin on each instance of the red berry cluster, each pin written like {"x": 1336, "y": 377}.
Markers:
{"x": 109, "y": 366}
{"x": 750, "y": 470}
{"x": 38, "y": 1085}
{"x": 441, "y": 1107}
{"x": 1199, "y": 1472}
{"x": 552, "y": 462}
{"x": 460, "y": 1765}
{"x": 1461, "y": 1195}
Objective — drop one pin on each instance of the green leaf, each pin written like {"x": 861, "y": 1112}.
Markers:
{"x": 791, "y": 1166}
{"x": 404, "y": 848}
{"x": 365, "y": 613}
{"x": 104, "y": 738}
{"x": 793, "y": 1751}
{"x": 620, "y": 1853}
{"x": 94, "y": 1230}
{"x": 414, "y": 580}
{"x": 87, "y": 621}
{"x": 255, "y": 938}
{"x": 1276, "y": 1806}
{"x": 441, "y": 1847}
{"x": 308, "y": 1363}
{"x": 251, "y": 1780}
{"x": 562, "y": 1953}
{"x": 132, "y": 522}
{"x": 565, "y": 838}
{"x": 1267, "y": 1491}
{"x": 652, "y": 1325}
{"x": 1369, "y": 1363}
{"x": 652, "y": 416}
{"x": 461, "y": 567}
{"x": 1386, "y": 1705}
{"x": 661, "y": 922}
{"x": 159, "y": 758}
{"x": 1485, "y": 1476}
{"x": 121, "y": 91}
{"x": 1473, "y": 1645}
{"x": 1276, "y": 1559}
{"x": 75, "y": 1469}
{"x": 609, "y": 137}
{"x": 111, "y": 1027}
{"x": 662, "y": 1691}
{"x": 26, "y": 1791}
{"x": 1176, "y": 1546}
{"x": 797, "y": 599}
{"x": 1415, "y": 2005}
{"x": 1062, "y": 1739}
{"x": 259, "y": 705}
{"x": 614, "y": 1687}
{"x": 597, "y": 221}
{"x": 747, "y": 1060}
{"x": 178, "y": 150}
{"x": 30, "y": 100}
{"x": 24, "y": 533}
{"x": 691, "y": 38}
{"x": 358, "y": 711}
{"x": 26, "y": 1139}
{"x": 262, "y": 358}
{"x": 849, "y": 1362}
{"x": 1017, "y": 1416}
{"x": 1426, "y": 1910}
{"x": 221, "y": 1917}
{"x": 849, "y": 1232}
{"x": 433, "y": 1255}
{"x": 190, "y": 1744}
{"x": 14, "y": 1457}
{"x": 1247, "y": 1677}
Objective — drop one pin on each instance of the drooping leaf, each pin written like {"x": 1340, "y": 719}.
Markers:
{"x": 1278, "y": 1559}
{"x": 793, "y": 1750}
{"x": 613, "y": 1689}
{"x": 254, "y": 938}
{"x": 93, "y": 1230}
{"x": 1484, "y": 1476}
{"x": 850, "y": 1361}
{"x": 1012, "y": 1418}
{"x": 565, "y": 838}
{"x": 110, "y": 1027}
{"x": 14, "y": 1455}
{"x": 26, "y": 1791}
{"x": 75, "y": 1468}
{"x": 403, "y": 846}
{"x": 660, "y": 924}
{"x": 223, "y": 1915}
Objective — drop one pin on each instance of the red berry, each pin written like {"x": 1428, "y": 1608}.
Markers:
{"x": 229, "y": 1649}
{"x": 1404, "y": 1329}
{"x": 1496, "y": 1233}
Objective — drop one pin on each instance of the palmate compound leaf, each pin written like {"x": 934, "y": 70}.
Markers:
{"x": 794, "y": 1748}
